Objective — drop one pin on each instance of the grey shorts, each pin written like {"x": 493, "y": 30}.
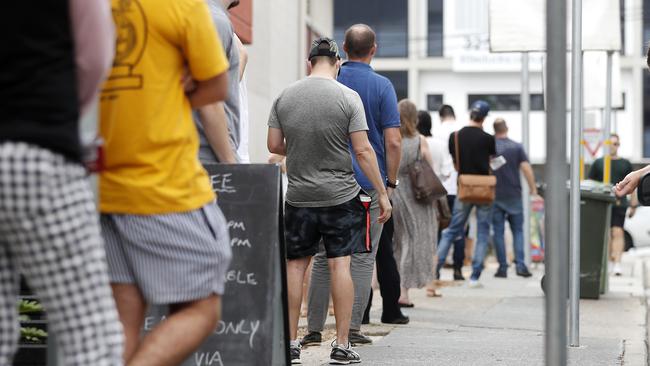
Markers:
{"x": 172, "y": 258}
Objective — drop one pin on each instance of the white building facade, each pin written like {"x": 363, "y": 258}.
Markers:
{"x": 282, "y": 31}
{"x": 437, "y": 51}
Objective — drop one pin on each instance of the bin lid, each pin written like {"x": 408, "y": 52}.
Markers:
{"x": 597, "y": 191}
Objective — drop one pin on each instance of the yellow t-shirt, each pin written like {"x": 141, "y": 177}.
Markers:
{"x": 151, "y": 142}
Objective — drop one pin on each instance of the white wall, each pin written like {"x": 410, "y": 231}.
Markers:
{"x": 456, "y": 86}
{"x": 275, "y": 58}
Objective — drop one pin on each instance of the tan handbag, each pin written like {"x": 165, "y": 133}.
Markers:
{"x": 474, "y": 188}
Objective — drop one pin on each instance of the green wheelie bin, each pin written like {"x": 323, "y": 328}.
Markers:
{"x": 595, "y": 216}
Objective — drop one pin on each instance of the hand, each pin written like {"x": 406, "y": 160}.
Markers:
{"x": 385, "y": 208}
{"x": 631, "y": 211}
{"x": 628, "y": 184}
{"x": 389, "y": 191}
{"x": 187, "y": 81}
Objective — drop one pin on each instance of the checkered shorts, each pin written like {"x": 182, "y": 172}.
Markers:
{"x": 49, "y": 233}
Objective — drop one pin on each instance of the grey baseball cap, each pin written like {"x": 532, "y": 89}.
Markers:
{"x": 324, "y": 46}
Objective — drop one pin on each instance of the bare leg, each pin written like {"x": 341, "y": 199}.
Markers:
{"x": 174, "y": 339}
{"x": 296, "y": 269}
{"x": 617, "y": 244}
{"x": 404, "y": 298}
{"x": 305, "y": 292}
{"x": 342, "y": 296}
{"x": 131, "y": 308}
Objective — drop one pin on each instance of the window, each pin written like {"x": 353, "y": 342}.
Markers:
{"x": 507, "y": 102}
{"x": 400, "y": 82}
{"x": 434, "y": 102}
{"x": 388, "y": 18}
{"x": 435, "y": 29}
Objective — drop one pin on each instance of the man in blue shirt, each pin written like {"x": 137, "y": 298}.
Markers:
{"x": 380, "y": 104}
{"x": 508, "y": 203}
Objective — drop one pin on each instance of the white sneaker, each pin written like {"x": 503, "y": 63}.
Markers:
{"x": 617, "y": 269}
{"x": 474, "y": 284}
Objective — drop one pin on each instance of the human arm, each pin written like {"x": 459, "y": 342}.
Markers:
{"x": 205, "y": 57}
{"x": 390, "y": 123}
{"x": 527, "y": 170}
{"x": 630, "y": 182}
{"x": 425, "y": 152}
{"x": 215, "y": 125}
{"x": 275, "y": 141}
{"x": 209, "y": 91}
{"x": 393, "y": 146}
{"x": 634, "y": 204}
{"x": 451, "y": 145}
{"x": 94, "y": 45}
{"x": 243, "y": 56}
{"x": 367, "y": 160}
{"x": 278, "y": 159}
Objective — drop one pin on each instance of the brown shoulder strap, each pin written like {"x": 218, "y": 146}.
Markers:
{"x": 457, "y": 151}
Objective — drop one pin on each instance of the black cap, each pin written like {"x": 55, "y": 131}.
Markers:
{"x": 324, "y": 46}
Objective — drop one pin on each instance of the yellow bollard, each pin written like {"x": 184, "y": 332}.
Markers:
{"x": 607, "y": 163}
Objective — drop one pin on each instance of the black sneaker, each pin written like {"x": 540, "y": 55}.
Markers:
{"x": 501, "y": 274}
{"x": 311, "y": 338}
{"x": 402, "y": 319}
{"x": 356, "y": 337}
{"x": 458, "y": 275}
{"x": 524, "y": 273}
{"x": 294, "y": 350}
{"x": 343, "y": 355}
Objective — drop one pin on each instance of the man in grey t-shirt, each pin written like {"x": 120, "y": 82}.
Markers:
{"x": 312, "y": 122}
{"x": 214, "y": 148}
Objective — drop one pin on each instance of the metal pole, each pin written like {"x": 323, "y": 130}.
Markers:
{"x": 525, "y": 140}
{"x": 576, "y": 147}
{"x": 557, "y": 210}
{"x": 607, "y": 122}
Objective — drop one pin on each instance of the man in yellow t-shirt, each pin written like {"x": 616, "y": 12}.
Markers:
{"x": 166, "y": 240}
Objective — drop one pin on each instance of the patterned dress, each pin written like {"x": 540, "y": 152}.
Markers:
{"x": 416, "y": 225}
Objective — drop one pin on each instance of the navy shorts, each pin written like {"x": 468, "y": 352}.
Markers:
{"x": 618, "y": 216}
{"x": 344, "y": 229}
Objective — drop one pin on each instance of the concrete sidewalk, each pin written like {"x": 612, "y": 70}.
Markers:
{"x": 503, "y": 324}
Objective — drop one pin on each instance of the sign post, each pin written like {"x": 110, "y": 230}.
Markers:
{"x": 556, "y": 173}
{"x": 607, "y": 123}
{"x": 576, "y": 171}
{"x": 525, "y": 139}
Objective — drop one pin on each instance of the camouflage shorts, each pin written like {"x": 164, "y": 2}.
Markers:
{"x": 344, "y": 229}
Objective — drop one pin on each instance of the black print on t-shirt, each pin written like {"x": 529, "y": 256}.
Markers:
{"x": 130, "y": 43}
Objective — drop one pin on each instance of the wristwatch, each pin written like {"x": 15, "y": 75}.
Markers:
{"x": 392, "y": 185}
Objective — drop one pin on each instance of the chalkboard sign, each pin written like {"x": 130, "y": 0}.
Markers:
{"x": 254, "y": 325}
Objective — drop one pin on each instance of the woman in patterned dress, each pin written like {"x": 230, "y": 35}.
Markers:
{"x": 416, "y": 224}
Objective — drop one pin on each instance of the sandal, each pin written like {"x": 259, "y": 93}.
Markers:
{"x": 403, "y": 305}
{"x": 431, "y": 292}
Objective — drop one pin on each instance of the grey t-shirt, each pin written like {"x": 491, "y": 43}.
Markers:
{"x": 316, "y": 116}
{"x": 231, "y": 104}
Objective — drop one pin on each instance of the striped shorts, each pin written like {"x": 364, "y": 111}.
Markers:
{"x": 172, "y": 258}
